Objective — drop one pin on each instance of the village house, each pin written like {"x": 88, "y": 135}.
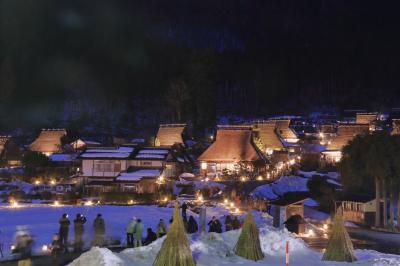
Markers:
{"x": 49, "y": 141}
{"x": 345, "y": 133}
{"x": 359, "y": 209}
{"x": 170, "y": 134}
{"x": 101, "y": 165}
{"x": 233, "y": 150}
{"x": 367, "y": 119}
{"x": 130, "y": 168}
{"x": 10, "y": 154}
{"x": 83, "y": 143}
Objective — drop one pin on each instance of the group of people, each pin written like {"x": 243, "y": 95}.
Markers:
{"x": 134, "y": 233}
{"x": 61, "y": 239}
{"x": 230, "y": 224}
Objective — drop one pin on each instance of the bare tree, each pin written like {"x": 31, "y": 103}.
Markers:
{"x": 177, "y": 95}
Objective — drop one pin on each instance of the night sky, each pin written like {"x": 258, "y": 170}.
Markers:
{"x": 113, "y": 63}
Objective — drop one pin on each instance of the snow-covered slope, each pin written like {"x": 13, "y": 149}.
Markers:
{"x": 219, "y": 251}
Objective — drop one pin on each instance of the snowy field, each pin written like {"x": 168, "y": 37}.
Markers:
{"x": 42, "y": 220}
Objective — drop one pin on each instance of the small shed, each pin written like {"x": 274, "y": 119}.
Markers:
{"x": 289, "y": 205}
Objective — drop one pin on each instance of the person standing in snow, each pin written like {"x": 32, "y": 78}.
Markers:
{"x": 130, "y": 229}
{"x": 192, "y": 225}
{"x": 99, "y": 230}
{"x": 228, "y": 223}
{"x": 215, "y": 225}
{"x": 161, "y": 229}
{"x": 138, "y": 233}
{"x": 55, "y": 249}
{"x": 63, "y": 232}
{"x": 79, "y": 230}
{"x": 184, "y": 208}
{"x": 236, "y": 223}
{"x": 151, "y": 237}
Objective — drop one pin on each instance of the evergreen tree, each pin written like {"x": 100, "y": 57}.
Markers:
{"x": 175, "y": 250}
{"x": 339, "y": 246}
{"x": 248, "y": 245}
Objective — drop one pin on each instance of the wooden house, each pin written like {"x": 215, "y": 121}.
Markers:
{"x": 359, "y": 209}
{"x": 286, "y": 133}
{"x": 233, "y": 146}
{"x": 345, "y": 133}
{"x": 139, "y": 180}
{"x": 170, "y": 134}
{"x": 367, "y": 118}
{"x": 266, "y": 132}
{"x": 10, "y": 154}
{"x": 49, "y": 141}
{"x": 104, "y": 169}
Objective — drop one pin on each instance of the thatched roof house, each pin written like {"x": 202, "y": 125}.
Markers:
{"x": 366, "y": 118}
{"x": 345, "y": 133}
{"x": 170, "y": 134}
{"x": 268, "y": 136}
{"x": 232, "y": 144}
{"x": 284, "y": 131}
{"x": 327, "y": 129}
{"x": 49, "y": 141}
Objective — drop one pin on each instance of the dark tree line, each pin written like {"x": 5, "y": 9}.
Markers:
{"x": 112, "y": 63}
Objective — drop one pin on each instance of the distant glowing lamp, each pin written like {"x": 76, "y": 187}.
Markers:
{"x": 45, "y": 248}
{"x": 259, "y": 178}
{"x": 232, "y": 204}
{"x": 89, "y": 203}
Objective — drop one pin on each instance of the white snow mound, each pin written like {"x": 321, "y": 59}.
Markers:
{"x": 98, "y": 257}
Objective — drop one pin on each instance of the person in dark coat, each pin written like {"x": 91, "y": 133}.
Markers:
{"x": 236, "y": 223}
{"x": 184, "y": 208}
{"x": 215, "y": 225}
{"x": 55, "y": 249}
{"x": 192, "y": 225}
{"x": 99, "y": 230}
{"x": 63, "y": 232}
{"x": 151, "y": 236}
{"x": 228, "y": 223}
{"x": 79, "y": 230}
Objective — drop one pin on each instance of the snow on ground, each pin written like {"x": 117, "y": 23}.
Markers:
{"x": 283, "y": 185}
{"x": 220, "y": 251}
{"x": 42, "y": 220}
